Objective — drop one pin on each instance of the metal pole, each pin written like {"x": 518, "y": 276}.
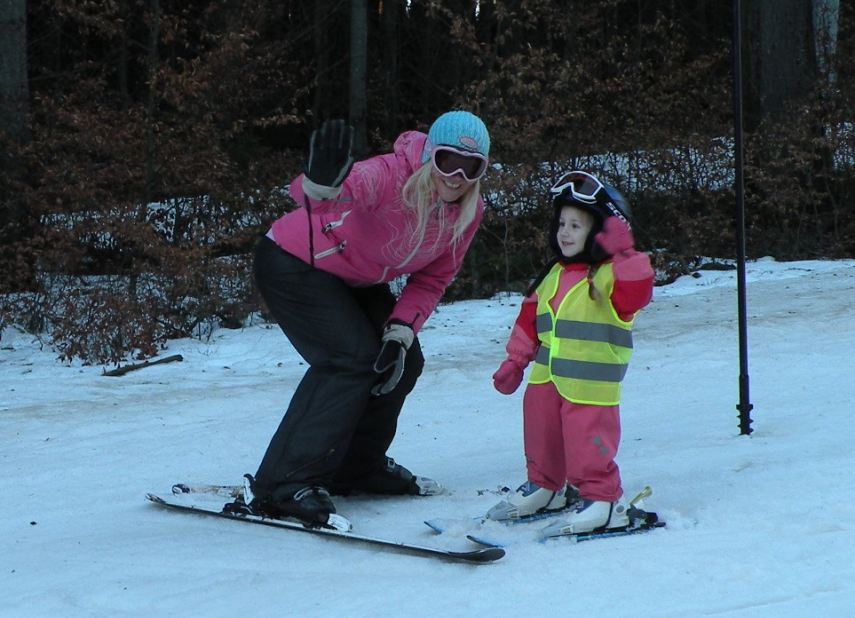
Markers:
{"x": 744, "y": 405}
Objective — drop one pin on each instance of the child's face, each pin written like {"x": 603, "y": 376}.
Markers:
{"x": 574, "y": 225}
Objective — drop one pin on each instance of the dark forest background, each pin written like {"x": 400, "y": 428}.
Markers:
{"x": 146, "y": 145}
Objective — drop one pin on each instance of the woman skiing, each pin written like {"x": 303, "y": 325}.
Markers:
{"x": 323, "y": 272}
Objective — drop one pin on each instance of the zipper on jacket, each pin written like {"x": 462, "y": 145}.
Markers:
{"x": 337, "y": 249}
{"x": 334, "y": 224}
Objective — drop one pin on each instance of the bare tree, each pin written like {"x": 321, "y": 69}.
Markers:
{"x": 826, "y": 15}
{"x": 16, "y": 221}
{"x": 780, "y": 56}
{"x": 358, "y": 72}
{"x": 13, "y": 67}
{"x": 390, "y": 41}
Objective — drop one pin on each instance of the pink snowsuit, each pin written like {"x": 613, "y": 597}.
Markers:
{"x": 567, "y": 442}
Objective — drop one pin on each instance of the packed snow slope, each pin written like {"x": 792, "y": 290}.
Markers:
{"x": 758, "y": 525}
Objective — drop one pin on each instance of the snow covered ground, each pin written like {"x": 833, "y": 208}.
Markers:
{"x": 758, "y": 525}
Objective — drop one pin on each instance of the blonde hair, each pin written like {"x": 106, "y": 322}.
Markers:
{"x": 418, "y": 193}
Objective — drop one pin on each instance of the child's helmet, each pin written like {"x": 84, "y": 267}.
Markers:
{"x": 587, "y": 192}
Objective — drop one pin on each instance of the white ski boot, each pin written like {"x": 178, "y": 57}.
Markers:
{"x": 588, "y": 516}
{"x": 529, "y": 500}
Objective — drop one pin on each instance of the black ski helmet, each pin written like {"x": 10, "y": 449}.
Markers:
{"x": 586, "y": 192}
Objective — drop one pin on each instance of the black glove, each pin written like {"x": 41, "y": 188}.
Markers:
{"x": 329, "y": 154}
{"x": 397, "y": 338}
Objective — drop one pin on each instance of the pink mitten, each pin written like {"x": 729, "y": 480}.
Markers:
{"x": 508, "y": 377}
{"x": 615, "y": 237}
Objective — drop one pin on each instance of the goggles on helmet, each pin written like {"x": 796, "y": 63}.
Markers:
{"x": 586, "y": 189}
{"x": 449, "y": 161}
{"x": 581, "y": 185}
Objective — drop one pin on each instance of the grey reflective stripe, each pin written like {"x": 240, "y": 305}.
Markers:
{"x": 588, "y": 331}
{"x": 582, "y": 370}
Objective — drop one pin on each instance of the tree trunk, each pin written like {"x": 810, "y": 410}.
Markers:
{"x": 151, "y": 97}
{"x": 14, "y": 91}
{"x": 17, "y": 222}
{"x": 391, "y": 11}
{"x": 122, "y": 57}
{"x": 358, "y": 71}
{"x": 826, "y": 19}
{"x": 322, "y": 63}
{"x": 780, "y": 57}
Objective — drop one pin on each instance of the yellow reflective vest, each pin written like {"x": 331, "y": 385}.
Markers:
{"x": 585, "y": 347}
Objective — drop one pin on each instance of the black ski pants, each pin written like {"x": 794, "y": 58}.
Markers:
{"x": 334, "y": 431}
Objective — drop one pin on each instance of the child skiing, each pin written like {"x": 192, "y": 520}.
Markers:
{"x": 575, "y": 324}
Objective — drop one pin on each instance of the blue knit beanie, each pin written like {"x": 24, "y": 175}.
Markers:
{"x": 461, "y": 130}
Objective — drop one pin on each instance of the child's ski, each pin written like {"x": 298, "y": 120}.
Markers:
{"x": 640, "y": 521}
{"x": 476, "y": 531}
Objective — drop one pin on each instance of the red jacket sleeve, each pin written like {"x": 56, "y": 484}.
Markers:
{"x": 633, "y": 283}
{"x": 523, "y": 344}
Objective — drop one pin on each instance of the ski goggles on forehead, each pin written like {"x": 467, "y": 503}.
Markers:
{"x": 581, "y": 186}
{"x": 449, "y": 161}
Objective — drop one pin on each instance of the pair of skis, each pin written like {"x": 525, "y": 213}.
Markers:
{"x": 489, "y": 550}
{"x": 489, "y": 533}
{"x": 236, "y": 511}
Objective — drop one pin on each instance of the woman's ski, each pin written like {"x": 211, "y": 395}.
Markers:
{"x": 477, "y": 556}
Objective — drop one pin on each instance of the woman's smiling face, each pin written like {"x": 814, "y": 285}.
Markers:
{"x": 449, "y": 188}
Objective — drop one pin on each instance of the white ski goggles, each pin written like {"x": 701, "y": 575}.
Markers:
{"x": 581, "y": 185}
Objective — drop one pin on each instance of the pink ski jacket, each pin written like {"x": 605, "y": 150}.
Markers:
{"x": 366, "y": 235}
